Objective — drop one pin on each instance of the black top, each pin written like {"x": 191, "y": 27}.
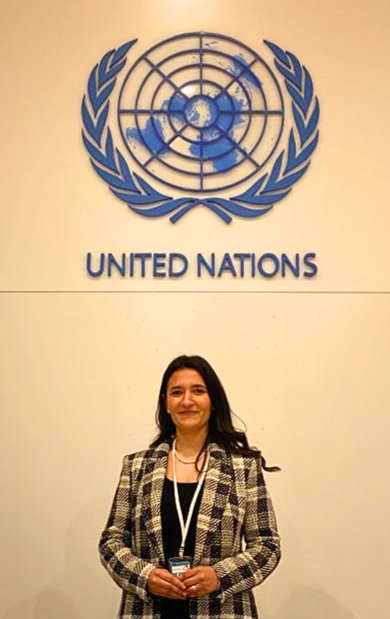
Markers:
{"x": 171, "y": 533}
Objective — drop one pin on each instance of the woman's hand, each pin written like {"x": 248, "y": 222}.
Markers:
{"x": 163, "y": 583}
{"x": 200, "y": 580}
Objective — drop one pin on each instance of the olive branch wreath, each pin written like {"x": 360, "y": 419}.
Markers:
{"x": 290, "y": 165}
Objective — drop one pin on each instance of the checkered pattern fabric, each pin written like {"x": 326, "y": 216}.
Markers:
{"x": 236, "y": 534}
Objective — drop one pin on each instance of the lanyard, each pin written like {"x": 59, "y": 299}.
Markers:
{"x": 186, "y": 525}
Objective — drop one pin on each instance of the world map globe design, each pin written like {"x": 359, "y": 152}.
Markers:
{"x": 201, "y": 112}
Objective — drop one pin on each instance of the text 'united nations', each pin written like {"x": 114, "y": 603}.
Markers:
{"x": 176, "y": 265}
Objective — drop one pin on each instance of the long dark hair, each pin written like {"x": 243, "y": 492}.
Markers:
{"x": 221, "y": 428}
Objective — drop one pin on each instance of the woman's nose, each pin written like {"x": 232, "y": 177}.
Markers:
{"x": 187, "y": 397}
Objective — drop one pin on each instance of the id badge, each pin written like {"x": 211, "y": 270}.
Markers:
{"x": 179, "y": 565}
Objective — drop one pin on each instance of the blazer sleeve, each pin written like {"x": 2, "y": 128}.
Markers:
{"x": 262, "y": 552}
{"x": 127, "y": 570}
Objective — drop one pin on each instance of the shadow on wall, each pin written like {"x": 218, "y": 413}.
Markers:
{"x": 79, "y": 588}
{"x": 47, "y": 604}
{"x": 308, "y": 603}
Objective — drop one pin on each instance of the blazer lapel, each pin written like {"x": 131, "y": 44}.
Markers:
{"x": 153, "y": 482}
{"x": 217, "y": 485}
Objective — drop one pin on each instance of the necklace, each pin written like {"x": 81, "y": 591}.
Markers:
{"x": 180, "y": 457}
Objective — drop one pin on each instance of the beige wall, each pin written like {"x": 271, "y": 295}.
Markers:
{"x": 307, "y": 372}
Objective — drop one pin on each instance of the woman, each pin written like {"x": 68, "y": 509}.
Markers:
{"x": 174, "y": 538}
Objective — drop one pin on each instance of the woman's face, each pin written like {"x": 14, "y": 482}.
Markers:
{"x": 188, "y": 401}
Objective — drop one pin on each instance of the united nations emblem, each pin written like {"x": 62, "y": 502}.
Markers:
{"x": 206, "y": 117}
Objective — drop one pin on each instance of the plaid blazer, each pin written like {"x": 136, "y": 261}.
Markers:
{"x": 235, "y": 508}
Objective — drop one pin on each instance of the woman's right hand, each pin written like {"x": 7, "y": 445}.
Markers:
{"x": 163, "y": 583}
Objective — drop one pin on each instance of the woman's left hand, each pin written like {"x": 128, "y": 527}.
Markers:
{"x": 200, "y": 580}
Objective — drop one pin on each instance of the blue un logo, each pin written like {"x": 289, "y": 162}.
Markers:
{"x": 200, "y": 114}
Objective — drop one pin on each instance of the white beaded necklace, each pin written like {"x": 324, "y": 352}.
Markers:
{"x": 180, "y": 457}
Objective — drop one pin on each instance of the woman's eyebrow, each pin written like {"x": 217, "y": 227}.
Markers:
{"x": 179, "y": 386}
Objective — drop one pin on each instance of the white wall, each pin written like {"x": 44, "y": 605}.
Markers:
{"x": 306, "y": 370}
